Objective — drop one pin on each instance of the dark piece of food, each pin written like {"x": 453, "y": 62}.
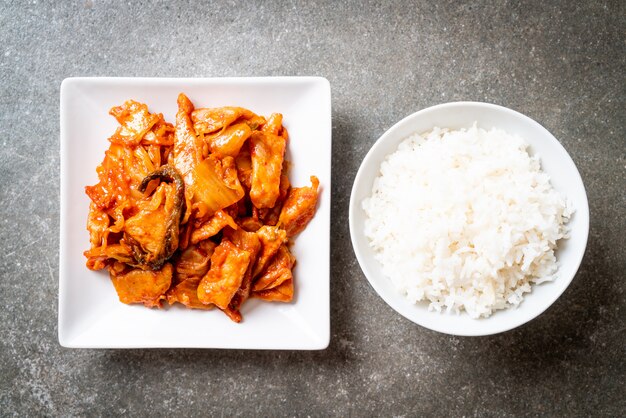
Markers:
{"x": 153, "y": 241}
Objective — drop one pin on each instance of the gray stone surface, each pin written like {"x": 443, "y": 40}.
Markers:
{"x": 561, "y": 62}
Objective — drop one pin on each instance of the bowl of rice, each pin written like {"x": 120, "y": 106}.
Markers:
{"x": 468, "y": 218}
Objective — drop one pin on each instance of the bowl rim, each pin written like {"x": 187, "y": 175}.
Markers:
{"x": 581, "y": 212}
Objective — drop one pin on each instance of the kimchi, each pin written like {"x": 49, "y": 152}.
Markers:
{"x": 200, "y": 213}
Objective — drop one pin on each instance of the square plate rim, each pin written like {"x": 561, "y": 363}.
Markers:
{"x": 319, "y": 82}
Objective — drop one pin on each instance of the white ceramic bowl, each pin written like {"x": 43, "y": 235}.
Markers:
{"x": 554, "y": 160}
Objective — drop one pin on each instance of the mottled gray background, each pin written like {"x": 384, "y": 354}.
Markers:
{"x": 562, "y": 63}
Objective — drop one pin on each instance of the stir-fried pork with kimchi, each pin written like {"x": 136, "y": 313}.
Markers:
{"x": 199, "y": 213}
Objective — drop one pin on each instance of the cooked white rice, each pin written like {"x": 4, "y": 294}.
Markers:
{"x": 465, "y": 220}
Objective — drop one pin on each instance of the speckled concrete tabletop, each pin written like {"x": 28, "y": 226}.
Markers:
{"x": 562, "y": 63}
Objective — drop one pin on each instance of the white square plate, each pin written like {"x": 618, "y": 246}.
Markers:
{"x": 90, "y": 314}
